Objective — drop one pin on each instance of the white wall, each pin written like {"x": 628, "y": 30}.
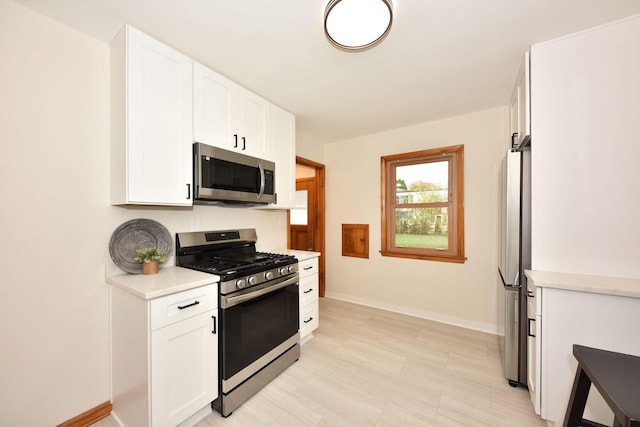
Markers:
{"x": 585, "y": 170}
{"x": 309, "y": 149}
{"x": 462, "y": 294}
{"x": 56, "y": 221}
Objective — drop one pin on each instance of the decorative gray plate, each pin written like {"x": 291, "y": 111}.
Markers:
{"x": 137, "y": 234}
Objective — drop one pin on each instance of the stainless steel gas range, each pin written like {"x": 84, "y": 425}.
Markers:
{"x": 259, "y": 309}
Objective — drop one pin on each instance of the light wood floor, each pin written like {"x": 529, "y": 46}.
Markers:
{"x": 369, "y": 367}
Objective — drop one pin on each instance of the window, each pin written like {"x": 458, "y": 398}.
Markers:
{"x": 423, "y": 204}
{"x": 299, "y": 215}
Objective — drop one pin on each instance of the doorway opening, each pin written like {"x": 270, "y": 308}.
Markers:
{"x": 306, "y": 221}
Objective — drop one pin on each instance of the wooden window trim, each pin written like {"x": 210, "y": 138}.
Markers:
{"x": 455, "y": 253}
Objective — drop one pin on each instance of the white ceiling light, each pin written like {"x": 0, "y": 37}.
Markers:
{"x": 357, "y": 24}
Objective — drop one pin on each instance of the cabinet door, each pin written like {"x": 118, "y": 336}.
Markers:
{"x": 213, "y": 117}
{"x": 533, "y": 339}
{"x": 184, "y": 368}
{"x": 159, "y": 122}
{"x": 514, "y": 116}
{"x": 253, "y": 124}
{"x": 283, "y": 153}
{"x": 520, "y": 105}
{"x": 524, "y": 101}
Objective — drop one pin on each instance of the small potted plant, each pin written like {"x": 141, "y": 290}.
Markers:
{"x": 150, "y": 257}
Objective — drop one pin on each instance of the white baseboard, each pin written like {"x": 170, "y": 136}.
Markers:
{"x": 436, "y": 317}
{"x": 116, "y": 419}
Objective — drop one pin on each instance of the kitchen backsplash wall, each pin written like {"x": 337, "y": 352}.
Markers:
{"x": 56, "y": 219}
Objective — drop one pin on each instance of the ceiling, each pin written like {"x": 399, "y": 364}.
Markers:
{"x": 442, "y": 57}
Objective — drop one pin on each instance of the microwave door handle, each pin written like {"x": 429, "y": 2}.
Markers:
{"x": 261, "y": 180}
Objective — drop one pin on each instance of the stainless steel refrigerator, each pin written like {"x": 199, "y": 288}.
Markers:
{"x": 514, "y": 258}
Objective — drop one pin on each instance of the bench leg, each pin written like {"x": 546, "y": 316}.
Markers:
{"x": 578, "y": 399}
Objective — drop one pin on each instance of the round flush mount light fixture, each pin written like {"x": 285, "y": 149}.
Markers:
{"x": 355, "y": 25}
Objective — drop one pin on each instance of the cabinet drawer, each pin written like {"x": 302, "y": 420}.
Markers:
{"x": 308, "y": 318}
{"x": 182, "y": 305}
{"x": 308, "y": 267}
{"x": 308, "y": 290}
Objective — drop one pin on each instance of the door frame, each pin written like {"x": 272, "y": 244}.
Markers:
{"x": 319, "y": 232}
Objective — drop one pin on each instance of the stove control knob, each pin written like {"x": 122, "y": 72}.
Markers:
{"x": 240, "y": 283}
{"x": 282, "y": 271}
{"x": 252, "y": 280}
{"x": 290, "y": 269}
{"x": 268, "y": 275}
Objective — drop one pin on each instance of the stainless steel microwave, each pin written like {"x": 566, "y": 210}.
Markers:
{"x": 227, "y": 177}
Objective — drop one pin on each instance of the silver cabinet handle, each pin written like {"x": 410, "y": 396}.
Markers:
{"x": 188, "y": 191}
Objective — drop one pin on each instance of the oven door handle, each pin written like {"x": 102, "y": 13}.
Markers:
{"x": 227, "y": 302}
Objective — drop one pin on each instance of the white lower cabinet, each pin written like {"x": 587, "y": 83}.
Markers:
{"x": 577, "y": 309}
{"x": 533, "y": 345}
{"x": 309, "y": 312}
{"x": 183, "y": 377}
{"x": 164, "y": 356}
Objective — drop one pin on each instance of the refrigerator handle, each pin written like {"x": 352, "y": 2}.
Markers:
{"x": 515, "y": 281}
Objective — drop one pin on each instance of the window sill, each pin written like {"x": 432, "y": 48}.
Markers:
{"x": 441, "y": 258}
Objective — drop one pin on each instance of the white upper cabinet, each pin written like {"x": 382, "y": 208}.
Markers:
{"x": 162, "y": 101}
{"x": 212, "y": 108}
{"x": 585, "y": 151}
{"x": 521, "y": 105}
{"x": 151, "y": 113}
{"x": 228, "y": 116}
{"x": 283, "y": 153}
{"x": 253, "y": 124}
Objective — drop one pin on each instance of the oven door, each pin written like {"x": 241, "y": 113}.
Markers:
{"x": 257, "y": 325}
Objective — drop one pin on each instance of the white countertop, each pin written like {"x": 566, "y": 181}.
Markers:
{"x": 301, "y": 255}
{"x": 169, "y": 280}
{"x": 584, "y": 283}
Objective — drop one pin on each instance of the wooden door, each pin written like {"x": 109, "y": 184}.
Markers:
{"x": 310, "y": 234}
{"x": 302, "y": 233}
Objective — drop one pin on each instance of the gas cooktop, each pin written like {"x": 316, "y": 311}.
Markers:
{"x": 229, "y": 254}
